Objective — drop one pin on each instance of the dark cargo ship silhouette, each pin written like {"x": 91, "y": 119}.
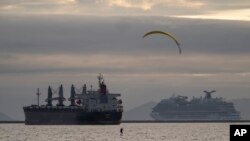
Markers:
{"x": 179, "y": 108}
{"x": 87, "y": 107}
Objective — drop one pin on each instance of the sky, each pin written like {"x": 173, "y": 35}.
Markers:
{"x": 53, "y": 42}
{"x": 208, "y": 9}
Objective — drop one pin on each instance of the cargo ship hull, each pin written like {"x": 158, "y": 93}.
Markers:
{"x": 71, "y": 117}
{"x": 86, "y": 107}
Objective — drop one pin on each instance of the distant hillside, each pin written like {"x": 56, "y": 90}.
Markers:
{"x": 243, "y": 106}
{"x": 4, "y": 117}
{"x": 141, "y": 112}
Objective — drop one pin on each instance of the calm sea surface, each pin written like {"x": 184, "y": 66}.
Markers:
{"x": 132, "y": 132}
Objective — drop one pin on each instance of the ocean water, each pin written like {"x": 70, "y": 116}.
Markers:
{"x": 132, "y": 132}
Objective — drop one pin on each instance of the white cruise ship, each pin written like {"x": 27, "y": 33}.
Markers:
{"x": 179, "y": 108}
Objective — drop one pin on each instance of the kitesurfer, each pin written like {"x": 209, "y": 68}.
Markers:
{"x": 121, "y": 131}
{"x": 166, "y": 34}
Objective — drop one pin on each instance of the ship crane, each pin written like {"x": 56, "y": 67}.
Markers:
{"x": 60, "y": 98}
{"x": 75, "y": 93}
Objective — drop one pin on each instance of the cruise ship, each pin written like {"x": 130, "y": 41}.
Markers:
{"x": 86, "y": 107}
{"x": 179, "y": 108}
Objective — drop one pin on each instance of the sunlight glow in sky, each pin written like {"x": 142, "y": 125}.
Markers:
{"x": 242, "y": 15}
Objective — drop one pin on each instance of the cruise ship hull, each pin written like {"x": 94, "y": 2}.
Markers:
{"x": 70, "y": 117}
{"x": 182, "y": 116}
{"x": 179, "y": 108}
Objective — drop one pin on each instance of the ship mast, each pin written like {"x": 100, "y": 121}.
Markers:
{"x": 38, "y": 96}
{"x": 100, "y": 79}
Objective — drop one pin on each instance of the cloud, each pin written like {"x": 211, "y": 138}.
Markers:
{"x": 128, "y": 7}
{"x": 151, "y": 5}
{"x": 86, "y": 34}
{"x": 37, "y": 6}
{"x": 223, "y": 15}
{"x": 37, "y": 51}
{"x": 114, "y": 45}
{"x": 144, "y": 5}
{"x": 125, "y": 64}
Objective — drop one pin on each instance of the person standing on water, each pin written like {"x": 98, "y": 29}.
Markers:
{"x": 121, "y": 131}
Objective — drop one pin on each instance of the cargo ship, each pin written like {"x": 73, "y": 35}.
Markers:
{"x": 86, "y": 107}
{"x": 179, "y": 108}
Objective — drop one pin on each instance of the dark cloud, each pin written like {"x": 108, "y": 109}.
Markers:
{"x": 119, "y": 34}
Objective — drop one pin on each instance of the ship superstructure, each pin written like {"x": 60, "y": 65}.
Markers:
{"x": 87, "y": 107}
{"x": 179, "y": 108}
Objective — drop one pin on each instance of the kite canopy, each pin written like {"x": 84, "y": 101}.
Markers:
{"x": 167, "y": 34}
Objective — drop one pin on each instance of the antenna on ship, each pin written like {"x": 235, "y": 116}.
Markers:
{"x": 38, "y": 96}
{"x": 100, "y": 78}
{"x": 91, "y": 88}
{"x": 102, "y": 85}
